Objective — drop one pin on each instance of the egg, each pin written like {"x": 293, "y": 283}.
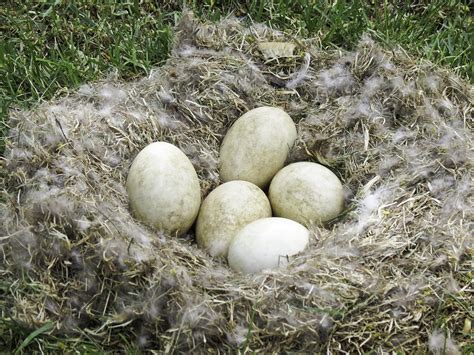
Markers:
{"x": 257, "y": 146}
{"x": 225, "y": 211}
{"x": 163, "y": 188}
{"x": 267, "y": 243}
{"x": 307, "y": 193}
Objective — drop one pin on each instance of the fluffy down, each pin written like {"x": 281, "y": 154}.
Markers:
{"x": 397, "y": 131}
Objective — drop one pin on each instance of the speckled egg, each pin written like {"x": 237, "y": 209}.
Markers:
{"x": 225, "y": 211}
{"x": 257, "y": 146}
{"x": 163, "y": 188}
{"x": 307, "y": 193}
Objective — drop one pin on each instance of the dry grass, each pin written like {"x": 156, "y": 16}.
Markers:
{"x": 393, "y": 273}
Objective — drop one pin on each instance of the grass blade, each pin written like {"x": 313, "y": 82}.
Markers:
{"x": 29, "y": 338}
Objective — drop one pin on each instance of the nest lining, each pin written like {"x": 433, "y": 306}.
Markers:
{"x": 396, "y": 131}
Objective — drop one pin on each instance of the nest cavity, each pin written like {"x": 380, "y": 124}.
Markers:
{"x": 392, "y": 273}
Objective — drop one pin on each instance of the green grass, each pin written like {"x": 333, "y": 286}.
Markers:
{"x": 50, "y": 47}
{"x": 46, "y": 48}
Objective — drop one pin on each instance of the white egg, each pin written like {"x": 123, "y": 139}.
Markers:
{"x": 225, "y": 211}
{"x": 163, "y": 188}
{"x": 307, "y": 193}
{"x": 257, "y": 146}
{"x": 267, "y": 243}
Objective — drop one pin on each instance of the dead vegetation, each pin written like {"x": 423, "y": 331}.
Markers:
{"x": 393, "y": 273}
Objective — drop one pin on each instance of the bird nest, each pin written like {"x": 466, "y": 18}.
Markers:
{"x": 392, "y": 273}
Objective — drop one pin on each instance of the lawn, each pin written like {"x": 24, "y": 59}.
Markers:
{"x": 48, "y": 49}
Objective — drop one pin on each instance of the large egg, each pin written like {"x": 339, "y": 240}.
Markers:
{"x": 225, "y": 211}
{"x": 307, "y": 193}
{"x": 163, "y": 188}
{"x": 267, "y": 243}
{"x": 257, "y": 145}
